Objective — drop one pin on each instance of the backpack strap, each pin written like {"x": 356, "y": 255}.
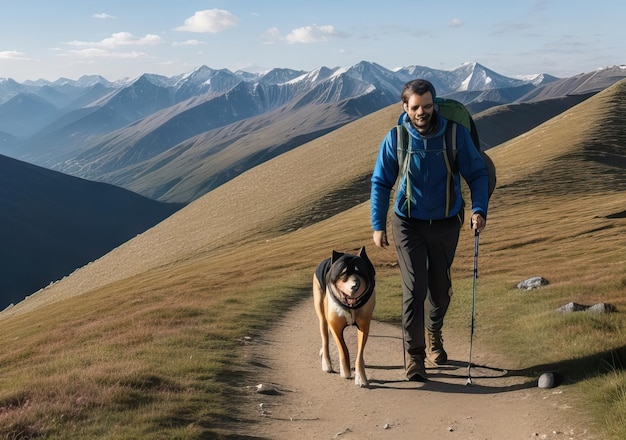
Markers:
{"x": 404, "y": 161}
{"x": 450, "y": 145}
{"x": 402, "y": 145}
{"x": 449, "y": 141}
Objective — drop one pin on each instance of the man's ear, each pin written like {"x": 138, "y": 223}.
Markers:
{"x": 405, "y": 107}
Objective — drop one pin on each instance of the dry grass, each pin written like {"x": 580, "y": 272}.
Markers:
{"x": 154, "y": 356}
{"x": 145, "y": 343}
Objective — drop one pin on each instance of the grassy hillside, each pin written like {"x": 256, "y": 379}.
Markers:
{"x": 505, "y": 122}
{"x": 52, "y": 223}
{"x": 146, "y": 341}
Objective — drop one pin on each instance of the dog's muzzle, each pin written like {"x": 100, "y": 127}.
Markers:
{"x": 350, "y": 302}
{"x": 356, "y": 285}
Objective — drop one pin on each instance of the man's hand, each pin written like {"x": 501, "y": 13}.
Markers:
{"x": 380, "y": 239}
{"x": 478, "y": 222}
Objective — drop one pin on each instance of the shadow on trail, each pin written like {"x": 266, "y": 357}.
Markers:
{"x": 452, "y": 377}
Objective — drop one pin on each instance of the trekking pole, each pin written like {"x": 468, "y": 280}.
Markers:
{"x": 469, "y": 362}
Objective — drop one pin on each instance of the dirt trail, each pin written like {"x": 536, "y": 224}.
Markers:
{"x": 498, "y": 405}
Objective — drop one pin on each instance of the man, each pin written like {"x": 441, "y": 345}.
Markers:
{"x": 425, "y": 232}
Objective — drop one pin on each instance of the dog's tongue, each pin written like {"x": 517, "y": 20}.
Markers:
{"x": 351, "y": 301}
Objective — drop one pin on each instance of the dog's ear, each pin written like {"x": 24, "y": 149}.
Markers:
{"x": 365, "y": 258}
{"x": 362, "y": 253}
{"x": 336, "y": 256}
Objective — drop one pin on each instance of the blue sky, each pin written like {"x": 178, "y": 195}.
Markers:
{"x": 125, "y": 38}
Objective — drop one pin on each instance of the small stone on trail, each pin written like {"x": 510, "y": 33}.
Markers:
{"x": 546, "y": 380}
{"x": 339, "y": 434}
{"x": 266, "y": 389}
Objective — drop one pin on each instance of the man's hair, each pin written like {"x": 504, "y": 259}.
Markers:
{"x": 416, "y": 86}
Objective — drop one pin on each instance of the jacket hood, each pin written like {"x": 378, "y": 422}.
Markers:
{"x": 401, "y": 118}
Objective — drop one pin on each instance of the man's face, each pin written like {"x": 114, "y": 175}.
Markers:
{"x": 420, "y": 109}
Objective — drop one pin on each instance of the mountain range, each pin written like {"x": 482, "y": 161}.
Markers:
{"x": 174, "y": 139}
{"x": 155, "y": 144}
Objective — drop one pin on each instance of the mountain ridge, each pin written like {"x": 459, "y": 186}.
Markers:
{"x": 80, "y": 141}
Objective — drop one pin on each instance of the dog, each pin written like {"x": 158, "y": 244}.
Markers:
{"x": 343, "y": 293}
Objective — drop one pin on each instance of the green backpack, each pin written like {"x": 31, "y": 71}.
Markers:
{"x": 456, "y": 113}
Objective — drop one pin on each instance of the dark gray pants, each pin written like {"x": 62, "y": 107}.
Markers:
{"x": 425, "y": 253}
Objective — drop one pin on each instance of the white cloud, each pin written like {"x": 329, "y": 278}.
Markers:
{"x": 94, "y": 52}
{"x": 303, "y": 35}
{"x": 456, "y": 22}
{"x": 103, "y": 16}
{"x": 121, "y": 39}
{"x": 271, "y": 36}
{"x": 312, "y": 34}
{"x": 14, "y": 55}
{"x": 188, "y": 43}
{"x": 209, "y": 21}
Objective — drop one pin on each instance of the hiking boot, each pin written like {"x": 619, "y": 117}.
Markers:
{"x": 435, "y": 354}
{"x": 415, "y": 370}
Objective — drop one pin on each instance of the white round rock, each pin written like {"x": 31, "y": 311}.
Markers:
{"x": 546, "y": 380}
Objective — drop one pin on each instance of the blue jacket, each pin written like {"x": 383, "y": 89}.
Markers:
{"x": 427, "y": 176}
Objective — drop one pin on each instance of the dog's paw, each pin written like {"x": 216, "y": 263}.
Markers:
{"x": 326, "y": 365}
{"x": 345, "y": 372}
{"x": 361, "y": 381}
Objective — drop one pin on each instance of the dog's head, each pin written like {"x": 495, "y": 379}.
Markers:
{"x": 351, "y": 278}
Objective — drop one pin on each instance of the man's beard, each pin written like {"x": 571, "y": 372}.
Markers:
{"x": 429, "y": 126}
